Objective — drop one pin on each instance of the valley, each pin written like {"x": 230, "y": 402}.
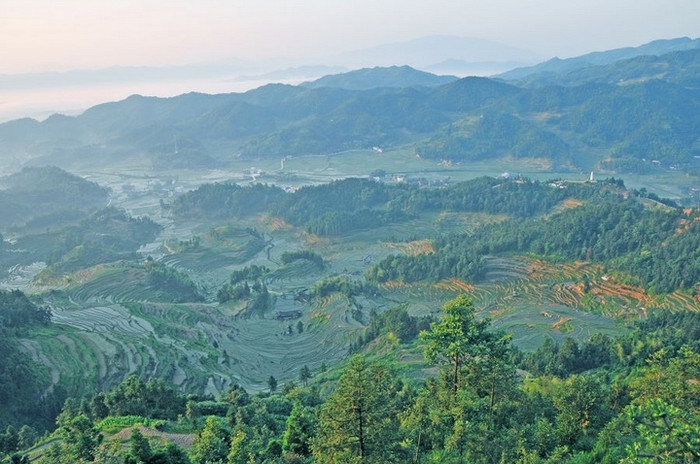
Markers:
{"x": 470, "y": 256}
{"x": 109, "y": 319}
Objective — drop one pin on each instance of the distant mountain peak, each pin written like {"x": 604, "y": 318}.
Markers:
{"x": 378, "y": 76}
{"x": 558, "y": 66}
{"x": 426, "y": 51}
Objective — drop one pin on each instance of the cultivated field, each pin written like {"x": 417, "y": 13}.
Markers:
{"x": 109, "y": 324}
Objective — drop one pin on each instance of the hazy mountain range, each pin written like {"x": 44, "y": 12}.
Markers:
{"x": 557, "y": 71}
{"x": 43, "y": 93}
{"x": 587, "y": 119}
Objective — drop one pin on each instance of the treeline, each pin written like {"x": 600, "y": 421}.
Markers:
{"x": 629, "y": 399}
{"x": 106, "y": 235}
{"x": 451, "y": 259}
{"x": 134, "y": 397}
{"x": 18, "y": 312}
{"x": 258, "y": 298}
{"x": 170, "y": 283}
{"x": 352, "y": 204}
{"x": 289, "y": 257}
{"x": 248, "y": 284}
{"x": 341, "y": 284}
{"x": 519, "y": 197}
{"x": 394, "y": 322}
{"x": 658, "y": 245}
{"x": 226, "y": 200}
{"x": 23, "y": 382}
{"x": 633, "y": 350}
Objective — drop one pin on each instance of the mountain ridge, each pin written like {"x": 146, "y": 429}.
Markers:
{"x": 558, "y": 66}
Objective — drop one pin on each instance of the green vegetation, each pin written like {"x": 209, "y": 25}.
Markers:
{"x": 491, "y": 133}
{"x": 226, "y": 200}
{"x": 170, "y": 282}
{"x": 570, "y": 329}
{"x": 624, "y": 234}
{"x": 22, "y": 379}
{"x": 106, "y": 235}
{"x": 289, "y": 257}
{"x": 40, "y": 197}
{"x": 354, "y": 204}
{"x": 628, "y": 399}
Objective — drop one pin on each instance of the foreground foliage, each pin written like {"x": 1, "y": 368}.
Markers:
{"x": 636, "y": 401}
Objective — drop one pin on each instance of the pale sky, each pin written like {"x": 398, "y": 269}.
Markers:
{"x": 40, "y": 35}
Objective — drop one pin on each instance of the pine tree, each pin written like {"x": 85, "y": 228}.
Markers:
{"x": 305, "y": 374}
{"x": 456, "y": 338}
{"x": 358, "y": 422}
{"x": 299, "y": 431}
{"x": 211, "y": 444}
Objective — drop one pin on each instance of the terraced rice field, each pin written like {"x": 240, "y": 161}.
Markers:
{"x": 109, "y": 324}
{"x": 532, "y": 299}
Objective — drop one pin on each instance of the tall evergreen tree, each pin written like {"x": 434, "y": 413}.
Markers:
{"x": 305, "y": 374}
{"x": 456, "y": 338}
{"x": 358, "y": 422}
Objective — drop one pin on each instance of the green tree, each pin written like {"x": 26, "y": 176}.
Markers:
{"x": 299, "y": 431}
{"x": 211, "y": 444}
{"x": 19, "y": 459}
{"x": 424, "y": 424}
{"x": 80, "y": 439}
{"x": 241, "y": 451}
{"x": 456, "y": 338}
{"x": 139, "y": 450}
{"x": 667, "y": 434}
{"x": 673, "y": 379}
{"x": 581, "y": 402}
{"x": 492, "y": 374}
{"x": 272, "y": 383}
{"x": 305, "y": 374}
{"x": 357, "y": 424}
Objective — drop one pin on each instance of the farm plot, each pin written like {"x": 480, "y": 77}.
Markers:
{"x": 297, "y": 273}
{"x": 529, "y": 298}
{"x": 113, "y": 285}
{"x": 21, "y": 277}
{"x": 203, "y": 260}
{"x": 532, "y": 322}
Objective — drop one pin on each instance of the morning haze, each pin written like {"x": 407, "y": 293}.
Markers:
{"x": 337, "y": 232}
{"x": 107, "y": 50}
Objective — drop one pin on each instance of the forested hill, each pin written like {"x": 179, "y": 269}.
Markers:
{"x": 372, "y": 78}
{"x": 350, "y": 204}
{"x": 653, "y": 242}
{"x": 656, "y": 248}
{"x": 586, "y": 119}
{"x": 558, "y": 70}
{"x": 46, "y": 196}
{"x": 679, "y": 67}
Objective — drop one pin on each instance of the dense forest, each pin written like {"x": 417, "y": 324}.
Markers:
{"x": 651, "y": 240}
{"x": 629, "y": 399}
{"x": 23, "y": 380}
{"x": 37, "y": 198}
{"x": 353, "y": 204}
{"x": 656, "y": 245}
